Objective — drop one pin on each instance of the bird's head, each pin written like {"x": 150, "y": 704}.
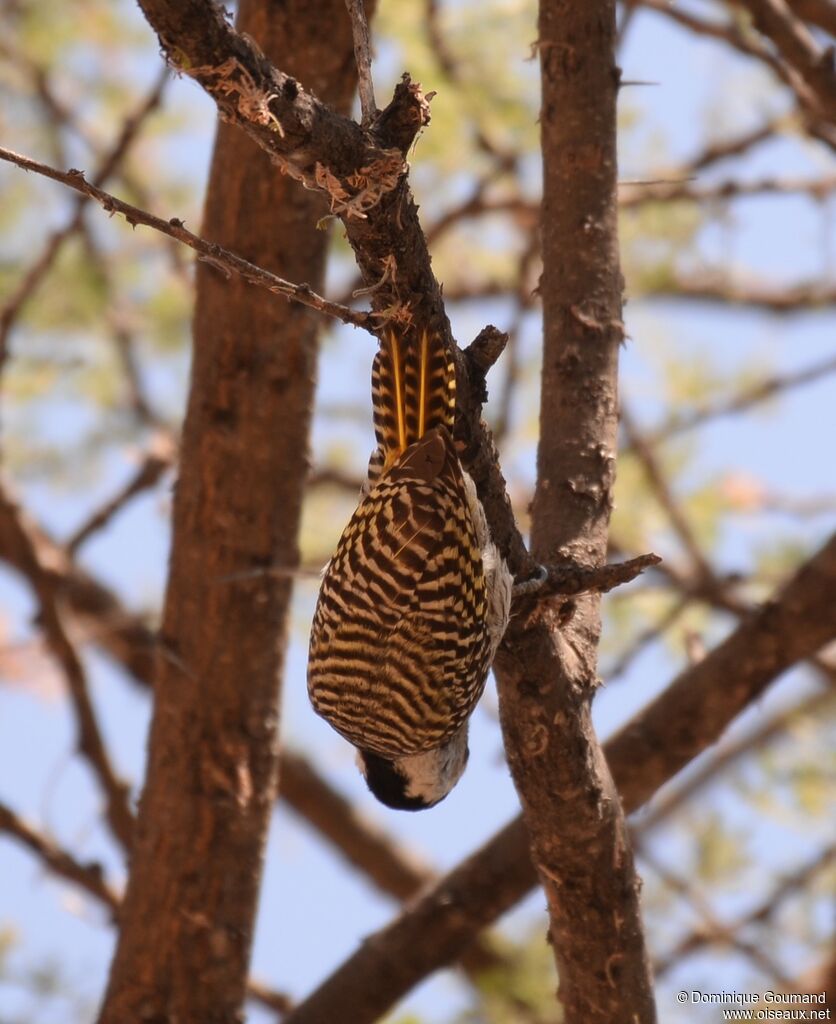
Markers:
{"x": 419, "y": 781}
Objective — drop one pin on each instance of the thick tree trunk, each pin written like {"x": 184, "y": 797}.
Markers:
{"x": 547, "y": 667}
{"x": 187, "y": 921}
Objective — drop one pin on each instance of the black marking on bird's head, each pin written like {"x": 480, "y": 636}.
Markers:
{"x": 388, "y": 784}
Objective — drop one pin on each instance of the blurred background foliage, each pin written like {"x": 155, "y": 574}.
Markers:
{"x": 726, "y": 470}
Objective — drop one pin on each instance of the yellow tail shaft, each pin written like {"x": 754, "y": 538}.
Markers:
{"x": 413, "y": 391}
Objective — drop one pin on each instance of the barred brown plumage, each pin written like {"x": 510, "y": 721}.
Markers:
{"x": 416, "y": 598}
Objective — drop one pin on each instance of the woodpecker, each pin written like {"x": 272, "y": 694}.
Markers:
{"x": 416, "y": 598}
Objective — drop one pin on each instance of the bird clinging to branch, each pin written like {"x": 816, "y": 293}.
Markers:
{"x": 415, "y": 601}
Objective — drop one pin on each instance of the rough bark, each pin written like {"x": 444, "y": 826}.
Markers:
{"x": 546, "y": 670}
{"x": 435, "y": 929}
{"x": 363, "y": 171}
{"x": 187, "y": 921}
{"x": 312, "y": 143}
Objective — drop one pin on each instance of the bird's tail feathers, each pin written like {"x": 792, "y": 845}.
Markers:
{"x": 413, "y": 391}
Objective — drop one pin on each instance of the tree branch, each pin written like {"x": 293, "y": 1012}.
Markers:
{"x": 661, "y": 490}
{"x": 729, "y": 934}
{"x": 688, "y": 717}
{"x": 733, "y": 145}
{"x": 124, "y": 635}
{"x": 87, "y": 876}
{"x": 157, "y": 460}
{"x": 754, "y": 394}
{"x": 90, "y": 741}
{"x": 109, "y": 163}
{"x": 546, "y": 668}
{"x": 363, "y": 57}
{"x": 391, "y": 869}
{"x": 711, "y": 925}
{"x": 818, "y": 12}
{"x": 687, "y": 191}
{"x": 570, "y": 579}
{"x": 210, "y": 252}
{"x": 732, "y": 34}
{"x": 796, "y": 44}
{"x": 729, "y": 753}
{"x": 800, "y": 298}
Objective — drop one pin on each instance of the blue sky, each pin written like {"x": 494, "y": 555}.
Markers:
{"x": 314, "y": 911}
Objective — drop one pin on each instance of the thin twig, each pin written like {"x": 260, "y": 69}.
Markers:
{"x": 88, "y": 876}
{"x": 676, "y": 186}
{"x": 643, "y": 640}
{"x": 59, "y": 115}
{"x": 711, "y": 288}
{"x": 627, "y": 15}
{"x": 700, "y": 938}
{"x": 209, "y": 251}
{"x": 279, "y": 1002}
{"x": 157, "y": 460}
{"x": 732, "y": 34}
{"x": 109, "y": 163}
{"x": 734, "y": 145}
{"x": 718, "y": 288}
{"x": 124, "y": 341}
{"x": 125, "y": 344}
{"x": 818, "y": 12}
{"x": 363, "y": 57}
{"x": 712, "y": 929}
{"x": 664, "y": 495}
{"x": 332, "y": 476}
{"x": 684, "y": 191}
{"x": 728, "y": 754}
{"x": 90, "y": 740}
{"x": 769, "y": 387}
{"x": 504, "y": 159}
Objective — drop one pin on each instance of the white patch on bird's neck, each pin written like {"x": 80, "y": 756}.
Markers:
{"x": 431, "y": 775}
